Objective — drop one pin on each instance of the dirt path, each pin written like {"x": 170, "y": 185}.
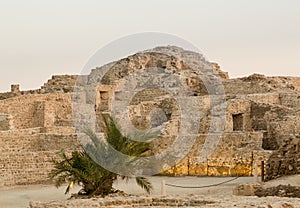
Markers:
{"x": 20, "y": 196}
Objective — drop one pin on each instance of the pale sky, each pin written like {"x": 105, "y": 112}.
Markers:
{"x": 39, "y": 38}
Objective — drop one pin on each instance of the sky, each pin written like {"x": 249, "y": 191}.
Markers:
{"x": 40, "y": 38}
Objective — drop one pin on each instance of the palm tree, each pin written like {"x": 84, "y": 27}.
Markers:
{"x": 80, "y": 167}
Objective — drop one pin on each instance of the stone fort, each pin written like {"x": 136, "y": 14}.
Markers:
{"x": 262, "y": 119}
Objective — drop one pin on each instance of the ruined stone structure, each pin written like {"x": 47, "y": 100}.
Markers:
{"x": 33, "y": 126}
{"x": 285, "y": 160}
{"x": 262, "y": 114}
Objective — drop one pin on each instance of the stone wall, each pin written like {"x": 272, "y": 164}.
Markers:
{"x": 286, "y": 160}
{"x": 291, "y": 100}
{"x": 277, "y": 121}
{"x": 60, "y": 83}
{"x": 38, "y": 110}
{"x": 260, "y": 84}
{"x": 33, "y": 128}
{"x": 26, "y": 155}
{"x": 57, "y": 84}
{"x": 236, "y": 154}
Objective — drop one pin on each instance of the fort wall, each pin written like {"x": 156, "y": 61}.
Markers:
{"x": 262, "y": 114}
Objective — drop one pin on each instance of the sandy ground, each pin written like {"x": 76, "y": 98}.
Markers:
{"x": 21, "y": 195}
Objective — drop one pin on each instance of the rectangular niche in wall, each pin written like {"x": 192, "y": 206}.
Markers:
{"x": 5, "y": 122}
{"x": 104, "y": 101}
{"x": 238, "y": 122}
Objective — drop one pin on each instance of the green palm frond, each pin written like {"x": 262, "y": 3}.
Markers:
{"x": 144, "y": 183}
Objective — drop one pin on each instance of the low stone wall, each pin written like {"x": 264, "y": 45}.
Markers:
{"x": 172, "y": 201}
{"x": 128, "y": 201}
{"x": 281, "y": 190}
{"x": 247, "y": 189}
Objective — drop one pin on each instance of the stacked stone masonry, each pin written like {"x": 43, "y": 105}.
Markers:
{"x": 172, "y": 201}
{"x": 262, "y": 114}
